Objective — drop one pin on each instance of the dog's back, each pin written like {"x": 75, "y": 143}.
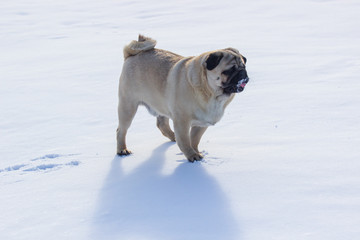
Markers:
{"x": 144, "y": 74}
{"x": 143, "y": 62}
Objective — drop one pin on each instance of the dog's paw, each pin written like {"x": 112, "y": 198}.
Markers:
{"x": 195, "y": 157}
{"x": 124, "y": 152}
{"x": 172, "y": 138}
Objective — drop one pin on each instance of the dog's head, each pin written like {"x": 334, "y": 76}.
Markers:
{"x": 226, "y": 70}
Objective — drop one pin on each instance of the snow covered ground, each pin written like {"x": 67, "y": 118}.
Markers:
{"x": 283, "y": 163}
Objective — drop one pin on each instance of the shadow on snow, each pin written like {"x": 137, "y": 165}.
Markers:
{"x": 188, "y": 204}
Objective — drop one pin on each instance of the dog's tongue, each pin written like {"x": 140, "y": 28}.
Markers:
{"x": 241, "y": 85}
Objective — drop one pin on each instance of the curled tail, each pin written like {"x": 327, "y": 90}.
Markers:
{"x": 135, "y": 47}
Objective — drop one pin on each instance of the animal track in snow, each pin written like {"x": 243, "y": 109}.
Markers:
{"x": 52, "y": 156}
{"x": 44, "y": 163}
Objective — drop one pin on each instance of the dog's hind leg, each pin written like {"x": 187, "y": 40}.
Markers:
{"x": 126, "y": 113}
{"x": 163, "y": 124}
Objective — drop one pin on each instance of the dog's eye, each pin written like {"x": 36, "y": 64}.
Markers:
{"x": 229, "y": 71}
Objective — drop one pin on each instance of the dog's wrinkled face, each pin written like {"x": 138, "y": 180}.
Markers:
{"x": 226, "y": 70}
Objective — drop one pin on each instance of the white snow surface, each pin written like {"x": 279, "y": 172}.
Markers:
{"x": 283, "y": 162}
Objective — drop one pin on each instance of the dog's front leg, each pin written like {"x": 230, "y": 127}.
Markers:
{"x": 182, "y": 135}
{"x": 196, "y": 134}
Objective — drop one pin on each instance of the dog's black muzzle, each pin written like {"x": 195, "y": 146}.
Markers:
{"x": 237, "y": 80}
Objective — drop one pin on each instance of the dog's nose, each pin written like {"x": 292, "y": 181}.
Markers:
{"x": 238, "y": 77}
{"x": 243, "y": 75}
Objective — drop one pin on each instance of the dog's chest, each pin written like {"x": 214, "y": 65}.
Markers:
{"x": 209, "y": 115}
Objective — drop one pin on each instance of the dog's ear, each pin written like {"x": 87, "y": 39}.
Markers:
{"x": 244, "y": 58}
{"x": 213, "y": 60}
{"x": 237, "y": 52}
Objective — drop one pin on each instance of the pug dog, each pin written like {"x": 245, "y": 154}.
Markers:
{"x": 192, "y": 91}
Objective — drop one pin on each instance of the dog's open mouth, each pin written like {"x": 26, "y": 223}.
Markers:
{"x": 239, "y": 87}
